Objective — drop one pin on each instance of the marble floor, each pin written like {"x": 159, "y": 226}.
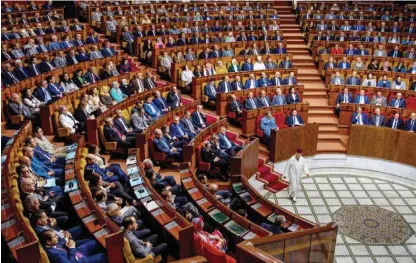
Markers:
{"x": 324, "y": 195}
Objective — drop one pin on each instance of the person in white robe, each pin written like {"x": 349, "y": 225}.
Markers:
{"x": 295, "y": 167}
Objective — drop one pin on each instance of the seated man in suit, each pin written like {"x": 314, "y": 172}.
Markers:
{"x": 344, "y": 97}
{"x": 379, "y": 100}
{"x": 235, "y": 105}
{"x": 354, "y": 80}
{"x": 230, "y": 147}
{"x": 177, "y": 130}
{"x": 251, "y": 82}
{"x": 294, "y": 119}
{"x": 198, "y": 118}
{"x": 110, "y": 173}
{"x": 377, "y": 119}
{"x": 139, "y": 120}
{"x": 344, "y": 64}
{"x": 251, "y": 103}
{"x": 275, "y": 228}
{"x": 225, "y": 85}
{"x": 267, "y": 123}
{"x": 411, "y": 123}
{"x": 165, "y": 180}
{"x": 141, "y": 248}
{"x": 384, "y": 82}
{"x": 112, "y": 134}
{"x": 291, "y": 79}
{"x": 277, "y": 80}
{"x": 263, "y": 100}
{"x": 292, "y": 96}
{"x": 211, "y": 91}
{"x": 398, "y": 102}
{"x": 123, "y": 126}
{"x": 395, "y": 122}
{"x": 264, "y": 81}
{"x": 337, "y": 79}
{"x": 362, "y": 98}
{"x": 237, "y": 84}
{"x": 279, "y": 99}
{"x": 108, "y": 51}
{"x": 286, "y": 64}
{"x": 174, "y": 98}
{"x": 330, "y": 64}
{"x": 160, "y": 102}
{"x": 359, "y": 118}
{"x": 151, "y": 109}
{"x": 81, "y": 115}
{"x": 213, "y": 157}
{"x": 90, "y": 251}
{"x": 16, "y": 107}
{"x": 187, "y": 123}
{"x": 161, "y": 145}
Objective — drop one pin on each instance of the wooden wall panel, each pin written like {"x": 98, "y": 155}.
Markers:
{"x": 284, "y": 142}
{"x": 384, "y": 143}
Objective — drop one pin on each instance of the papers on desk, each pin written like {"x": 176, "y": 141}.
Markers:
{"x": 71, "y": 185}
{"x": 293, "y": 227}
{"x": 101, "y": 233}
{"x": 238, "y": 188}
{"x": 272, "y": 217}
{"x": 141, "y": 192}
{"x": 132, "y": 171}
{"x": 171, "y": 225}
{"x": 135, "y": 181}
{"x": 16, "y": 242}
{"x": 131, "y": 160}
{"x": 72, "y": 147}
{"x": 152, "y": 205}
{"x": 157, "y": 212}
{"x": 218, "y": 216}
{"x": 256, "y": 205}
{"x": 70, "y": 155}
{"x": 80, "y": 205}
{"x": 235, "y": 228}
{"x": 249, "y": 235}
{"x": 50, "y": 182}
{"x": 187, "y": 180}
{"x": 246, "y": 197}
{"x": 89, "y": 218}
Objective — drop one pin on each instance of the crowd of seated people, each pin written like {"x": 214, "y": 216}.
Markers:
{"x": 395, "y": 121}
{"x": 263, "y": 100}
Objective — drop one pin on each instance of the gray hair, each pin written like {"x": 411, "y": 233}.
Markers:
{"x": 29, "y": 199}
{"x": 111, "y": 207}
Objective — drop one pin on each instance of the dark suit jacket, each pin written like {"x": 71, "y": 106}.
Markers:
{"x": 80, "y": 115}
{"x": 173, "y": 100}
{"x": 290, "y": 100}
{"x": 207, "y": 156}
{"x": 382, "y": 120}
{"x": 262, "y": 104}
{"x": 290, "y": 122}
{"x": 146, "y": 83}
{"x": 233, "y": 107}
{"x": 248, "y": 105}
{"x": 195, "y": 119}
{"x": 20, "y": 75}
{"x": 399, "y": 123}
{"x": 408, "y": 127}
{"x": 111, "y": 135}
{"x": 38, "y": 93}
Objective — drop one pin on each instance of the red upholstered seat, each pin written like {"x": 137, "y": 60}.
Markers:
{"x": 268, "y": 178}
{"x": 157, "y": 156}
{"x": 411, "y": 103}
{"x": 210, "y": 119}
{"x": 198, "y": 245}
{"x": 202, "y": 166}
{"x": 214, "y": 255}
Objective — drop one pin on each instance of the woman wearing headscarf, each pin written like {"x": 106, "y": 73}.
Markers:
{"x": 116, "y": 92}
{"x": 215, "y": 238}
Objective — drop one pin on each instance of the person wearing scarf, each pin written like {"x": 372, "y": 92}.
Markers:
{"x": 215, "y": 238}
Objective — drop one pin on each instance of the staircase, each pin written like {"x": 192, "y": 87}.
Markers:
{"x": 315, "y": 93}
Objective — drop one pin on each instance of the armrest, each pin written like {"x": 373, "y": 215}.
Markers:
{"x": 204, "y": 98}
{"x": 182, "y": 84}
{"x": 16, "y": 119}
{"x": 232, "y": 115}
{"x": 204, "y": 166}
{"x": 64, "y": 132}
{"x": 159, "y": 156}
{"x": 148, "y": 259}
{"x": 110, "y": 146}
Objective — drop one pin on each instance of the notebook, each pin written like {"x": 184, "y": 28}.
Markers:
{"x": 235, "y": 228}
{"x": 246, "y": 197}
{"x": 218, "y": 216}
{"x": 141, "y": 192}
{"x": 132, "y": 171}
{"x": 135, "y": 181}
{"x": 293, "y": 227}
{"x": 238, "y": 188}
{"x": 70, "y": 155}
{"x": 71, "y": 185}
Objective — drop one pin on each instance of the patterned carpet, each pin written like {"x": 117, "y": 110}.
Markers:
{"x": 376, "y": 216}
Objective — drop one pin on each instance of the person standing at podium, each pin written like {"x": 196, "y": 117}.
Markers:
{"x": 293, "y": 172}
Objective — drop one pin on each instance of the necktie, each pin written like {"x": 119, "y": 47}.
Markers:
{"x": 353, "y": 81}
{"x": 200, "y": 118}
{"x": 191, "y": 127}
{"x": 35, "y": 69}
{"x": 7, "y": 55}
{"x": 337, "y": 82}
{"x": 21, "y": 69}
{"x": 15, "y": 80}
{"x": 294, "y": 120}
{"x": 345, "y": 98}
{"x": 397, "y": 104}
{"x": 394, "y": 124}
{"x": 395, "y": 54}
{"x": 161, "y": 101}
{"x": 411, "y": 125}
{"x": 252, "y": 104}
{"x": 236, "y": 104}
{"x": 118, "y": 133}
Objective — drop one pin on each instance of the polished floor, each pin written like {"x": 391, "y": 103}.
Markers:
{"x": 380, "y": 225}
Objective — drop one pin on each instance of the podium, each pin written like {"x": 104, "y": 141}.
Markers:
{"x": 284, "y": 142}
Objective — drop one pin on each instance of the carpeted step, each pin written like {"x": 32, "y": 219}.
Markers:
{"x": 263, "y": 169}
{"x": 276, "y": 186}
{"x": 268, "y": 178}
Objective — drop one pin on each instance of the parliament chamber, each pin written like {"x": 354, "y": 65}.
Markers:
{"x": 149, "y": 131}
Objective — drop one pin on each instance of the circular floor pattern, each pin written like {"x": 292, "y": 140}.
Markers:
{"x": 323, "y": 196}
{"x": 372, "y": 225}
